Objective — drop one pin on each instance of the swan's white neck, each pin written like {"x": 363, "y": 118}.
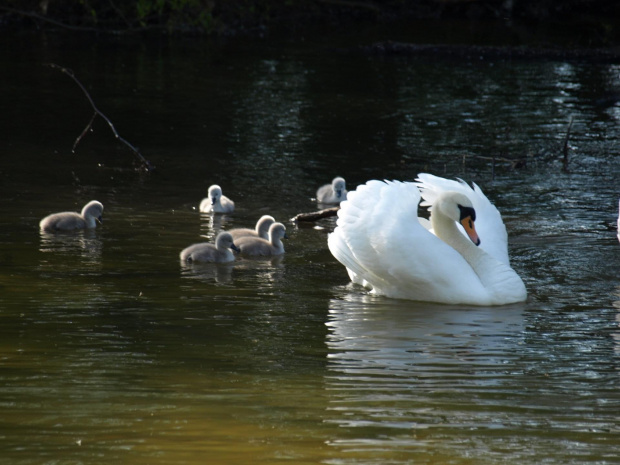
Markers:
{"x": 445, "y": 228}
{"x": 494, "y": 275}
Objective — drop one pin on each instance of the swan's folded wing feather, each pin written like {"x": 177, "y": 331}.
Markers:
{"x": 490, "y": 224}
{"x": 380, "y": 239}
{"x": 350, "y": 243}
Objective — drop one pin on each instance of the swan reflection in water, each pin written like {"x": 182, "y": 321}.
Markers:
{"x": 369, "y": 331}
{"x": 400, "y": 367}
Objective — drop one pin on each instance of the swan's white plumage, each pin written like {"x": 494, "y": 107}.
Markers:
{"x": 384, "y": 245}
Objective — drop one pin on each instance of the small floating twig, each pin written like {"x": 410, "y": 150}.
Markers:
{"x": 314, "y": 216}
{"x": 146, "y": 165}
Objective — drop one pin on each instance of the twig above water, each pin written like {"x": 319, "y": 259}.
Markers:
{"x": 145, "y": 164}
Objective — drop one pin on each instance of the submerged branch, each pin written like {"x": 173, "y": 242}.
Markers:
{"x": 146, "y": 165}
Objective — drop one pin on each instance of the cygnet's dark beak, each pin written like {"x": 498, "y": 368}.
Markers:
{"x": 338, "y": 193}
{"x": 285, "y": 236}
{"x": 100, "y": 219}
{"x": 213, "y": 200}
{"x": 235, "y": 248}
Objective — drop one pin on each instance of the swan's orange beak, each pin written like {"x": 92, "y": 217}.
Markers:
{"x": 468, "y": 224}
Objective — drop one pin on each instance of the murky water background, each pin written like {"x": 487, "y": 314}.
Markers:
{"x": 113, "y": 352}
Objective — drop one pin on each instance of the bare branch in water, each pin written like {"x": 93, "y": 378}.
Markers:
{"x": 145, "y": 164}
{"x": 314, "y": 216}
{"x": 86, "y": 129}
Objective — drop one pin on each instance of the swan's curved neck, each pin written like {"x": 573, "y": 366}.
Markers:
{"x": 445, "y": 228}
{"x": 494, "y": 275}
{"x": 481, "y": 263}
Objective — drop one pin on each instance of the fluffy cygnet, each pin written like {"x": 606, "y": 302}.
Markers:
{"x": 206, "y": 252}
{"x": 335, "y": 192}
{"x": 216, "y": 202}
{"x": 255, "y": 246}
{"x": 69, "y": 221}
{"x": 261, "y": 230}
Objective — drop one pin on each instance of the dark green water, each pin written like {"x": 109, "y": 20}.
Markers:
{"x": 112, "y": 352}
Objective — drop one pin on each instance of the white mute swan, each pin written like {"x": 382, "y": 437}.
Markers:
{"x": 261, "y": 230}
{"x": 69, "y": 221}
{"x": 209, "y": 253}
{"x": 335, "y": 192}
{"x": 216, "y": 202}
{"x": 386, "y": 247}
{"x": 256, "y": 246}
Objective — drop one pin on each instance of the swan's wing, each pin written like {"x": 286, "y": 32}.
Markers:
{"x": 489, "y": 223}
{"x": 380, "y": 239}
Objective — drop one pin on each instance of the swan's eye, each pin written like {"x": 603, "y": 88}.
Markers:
{"x": 466, "y": 212}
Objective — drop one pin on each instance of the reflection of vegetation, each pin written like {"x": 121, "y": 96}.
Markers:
{"x": 232, "y": 16}
{"x": 200, "y": 16}
{"x": 190, "y": 12}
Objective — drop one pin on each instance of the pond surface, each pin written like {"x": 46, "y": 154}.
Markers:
{"x": 113, "y": 352}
